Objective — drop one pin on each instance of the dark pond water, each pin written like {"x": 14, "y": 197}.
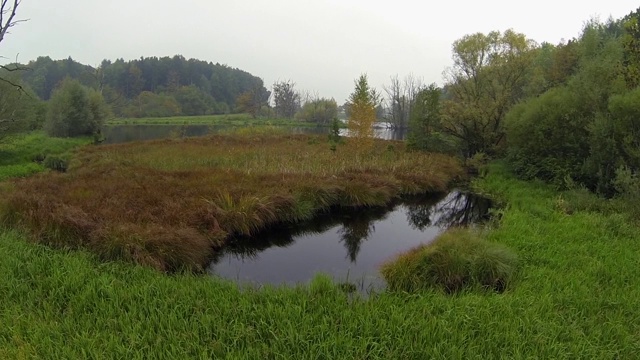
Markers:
{"x": 126, "y": 133}
{"x": 347, "y": 245}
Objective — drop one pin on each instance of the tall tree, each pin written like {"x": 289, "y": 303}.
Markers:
{"x": 286, "y": 99}
{"x": 425, "y": 124}
{"x": 362, "y": 113}
{"x": 253, "y": 100}
{"x": 485, "y": 81}
{"x": 401, "y": 96}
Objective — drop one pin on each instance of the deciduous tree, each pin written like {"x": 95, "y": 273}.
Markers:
{"x": 362, "y": 113}
{"x": 286, "y": 99}
{"x": 75, "y": 110}
{"x": 485, "y": 81}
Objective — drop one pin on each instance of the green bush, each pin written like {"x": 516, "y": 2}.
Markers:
{"x": 456, "y": 260}
{"x": 75, "y": 110}
{"x": 56, "y": 162}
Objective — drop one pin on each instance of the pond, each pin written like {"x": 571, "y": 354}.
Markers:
{"x": 126, "y": 133}
{"x": 348, "y": 245}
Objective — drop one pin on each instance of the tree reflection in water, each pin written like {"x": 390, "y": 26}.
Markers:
{"x": 356, "y": 225}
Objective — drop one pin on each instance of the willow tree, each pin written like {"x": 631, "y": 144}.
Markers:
{"x": 362, "y": 113}
{"x": 487, "y": 78}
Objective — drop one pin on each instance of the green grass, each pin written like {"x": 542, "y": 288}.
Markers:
{"x": 22, "y": 155}
{"x": 577, "y": 296}
{"x": 231, "y": 120}
{"x": 457, "y": 259}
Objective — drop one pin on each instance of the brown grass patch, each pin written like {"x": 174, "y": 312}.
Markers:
{"x": 170, "y": 203}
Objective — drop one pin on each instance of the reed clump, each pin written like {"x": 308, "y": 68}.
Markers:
{"x": 171, "y": 203}
{"x": 458, "y": 259}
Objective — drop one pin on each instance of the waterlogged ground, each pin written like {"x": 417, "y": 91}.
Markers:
{"x": 349, "y": 246}
{"x": 114, "y": 134}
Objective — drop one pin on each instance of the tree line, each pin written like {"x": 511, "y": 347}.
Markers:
{"x": 568, "y": 114}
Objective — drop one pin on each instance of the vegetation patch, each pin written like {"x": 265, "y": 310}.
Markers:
{"x": 457, "y": 259}
{"x": 169, "y": 204}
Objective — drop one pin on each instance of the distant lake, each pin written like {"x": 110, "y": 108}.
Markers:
{"x": 126, "y": 133}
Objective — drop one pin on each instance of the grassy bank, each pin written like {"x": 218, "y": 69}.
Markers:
{"x": 168, "y": 204}
{"x": 231, "y": 120}
{"x": 577, "y": 296}
{"x": 25, "y": 154}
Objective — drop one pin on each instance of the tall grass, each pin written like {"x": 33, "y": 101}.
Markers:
{"x": 457, "y": 259}
{"x": 577, "y": 296}
{"x": 22, "y": 155}
{"x": 161, "y": 203}
{"x": 232, "y": 120}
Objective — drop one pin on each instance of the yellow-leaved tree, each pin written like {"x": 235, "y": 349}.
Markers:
{"x": 362, "y": 109}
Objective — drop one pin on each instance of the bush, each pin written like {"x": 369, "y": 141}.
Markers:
{"x": 456, "y": 260}
{"x": 75, "y": 110}
{"x": 56, "y": 162}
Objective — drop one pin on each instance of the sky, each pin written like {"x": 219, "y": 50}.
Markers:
{"x": 321, "y": 45}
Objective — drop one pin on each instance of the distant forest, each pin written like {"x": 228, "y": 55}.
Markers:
{"x": 152, "y": 86}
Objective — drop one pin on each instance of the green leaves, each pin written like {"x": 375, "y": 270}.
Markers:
{"x": 75, "y": 110}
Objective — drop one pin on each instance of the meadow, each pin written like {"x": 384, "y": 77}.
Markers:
{"x": 26, "y": 154}
{"x": 231, "y": 120}
{"x": 169, "y": 204}
{"x": 576, "y": 296}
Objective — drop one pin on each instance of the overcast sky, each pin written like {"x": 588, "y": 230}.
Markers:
{"x": 322, "y": 45}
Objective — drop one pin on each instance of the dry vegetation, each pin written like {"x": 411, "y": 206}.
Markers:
{"x": 170, "y": 203}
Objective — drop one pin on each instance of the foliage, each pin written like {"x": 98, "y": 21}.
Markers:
{"x": 547, "y": 137}
{"x": 320, "y": 111}
{"x": 485, "y": 81}
{"x": 171, "y": 204}
{"x": 192, "y": 101}
{"x": 286, "y": 99}
{"x": 583, "y": 131}
{"x": 457, "y": 259}
{"x": 23, "y": 154}
{"x": 425, "y": 126}
{"x": 362, "y": 113}
{"x": 253, "y": 101}
{"x": 20, "y": 109}
{"x": 75, "y": 110}
{"x": 148, "y": 104}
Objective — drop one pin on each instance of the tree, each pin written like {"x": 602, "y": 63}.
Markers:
{"x": 253, "y": 100}
{"x": 286, "y": 99}
{"x": 320, "y": 111}
{"x": 20, "y": 109}
{"x": 362, "y": 113}
{"x": 149, "y": 104}
{"x": 485, "y": 81}
{"x": 75, "y": 110}
{"x": 401, "y": 97}
{"x": 425, "y": 124}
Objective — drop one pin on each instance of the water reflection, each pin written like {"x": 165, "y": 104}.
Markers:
{"x": 345, "y": 242}
{"x": 114, "y": 134}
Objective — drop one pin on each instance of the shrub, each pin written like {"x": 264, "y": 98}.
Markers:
{"x": 56, "y": 162}
{"x": 457, "y": 259}
{"x": 75, "y": 110}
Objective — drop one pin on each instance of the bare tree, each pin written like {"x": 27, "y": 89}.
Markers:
{"x": 8, "y": 101}
{"x": 401, "y": 95}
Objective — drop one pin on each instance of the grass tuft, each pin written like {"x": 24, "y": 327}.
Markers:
{"x": 457, "y": 259}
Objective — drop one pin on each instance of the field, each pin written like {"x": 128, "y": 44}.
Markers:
{"x": 231, "y": 120}
{"x": 169, "y": 204}
{"x": 577, "y": 295}
{"x": 24, "y": 155}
